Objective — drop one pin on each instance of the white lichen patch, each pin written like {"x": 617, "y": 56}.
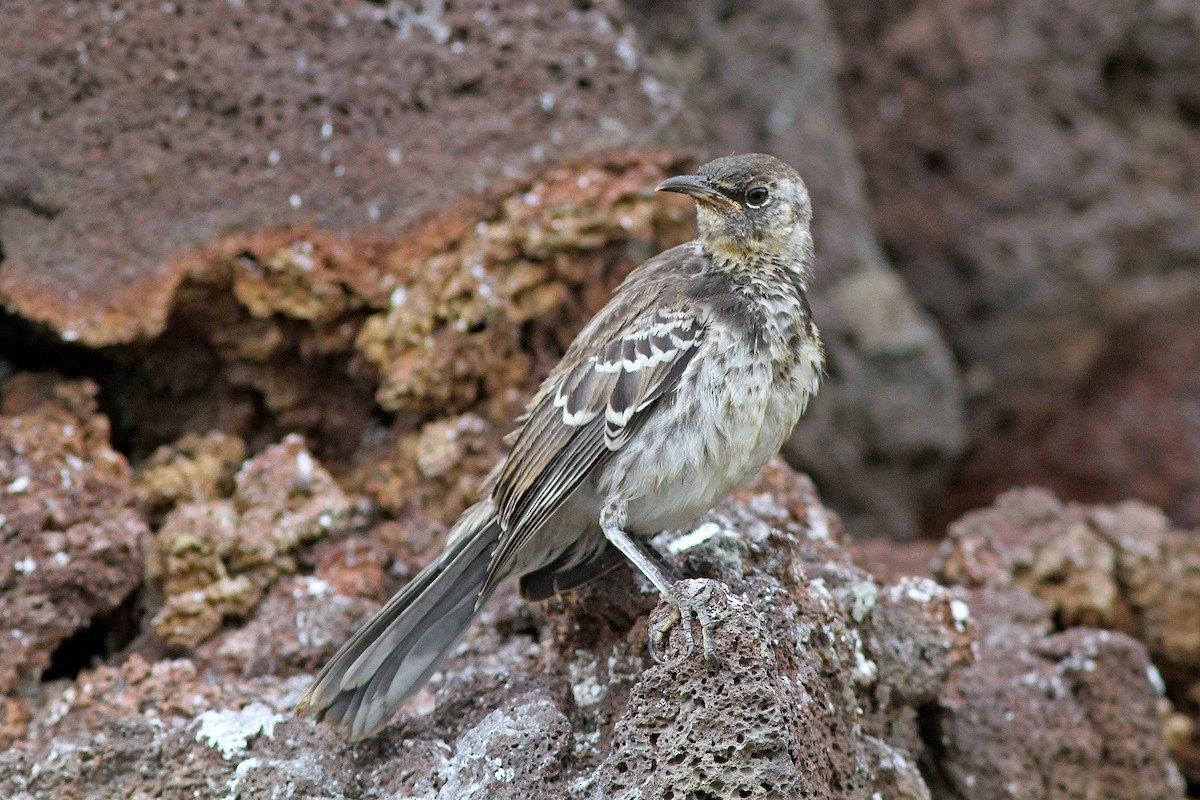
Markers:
{"x": 960, "y": 612}
{"x": 693, "y": 538}
{"x": 866, "y": 595}
{"x": 231, "y": 731}
{"x": 238, "y": 774}
{"x": 585, "y": 686}
{"x": 865, "y": 670}
{"x": 818, "y": 523}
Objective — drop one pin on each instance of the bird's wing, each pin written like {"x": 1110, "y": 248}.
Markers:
{"x": 585, "y": 414}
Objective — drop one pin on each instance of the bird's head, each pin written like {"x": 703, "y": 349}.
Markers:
{"x": 749, "y": 208}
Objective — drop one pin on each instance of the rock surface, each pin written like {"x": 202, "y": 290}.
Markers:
{"x": 1121, "y": 567}
{"x": 214, "y": 560}
{"x": 198, "y": 119}
{"x": 296, "y": 331}
{"x": 811, "y": 699}
{"x": 330, "y": 249}
{"x": 1035, "y": 175}
{"x": 832, "y": 684}
{"x": 72, "y": 535}
{"x": 1072, "y": 715}
{"x": 335, "y": 119}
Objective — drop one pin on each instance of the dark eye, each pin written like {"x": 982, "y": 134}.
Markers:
{"x": 757, "y": 197}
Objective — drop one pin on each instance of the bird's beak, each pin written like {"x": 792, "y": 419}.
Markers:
{"x": 699, "y": 188}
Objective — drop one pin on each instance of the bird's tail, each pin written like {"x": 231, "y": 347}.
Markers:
{"x": 396, "y": 651}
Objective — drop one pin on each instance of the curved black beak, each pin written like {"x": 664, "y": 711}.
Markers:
{"x": 699, "y": 188}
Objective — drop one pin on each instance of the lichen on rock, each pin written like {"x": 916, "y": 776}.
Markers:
{"x": 468, "y": 280}
{"x": 214, "y": 560}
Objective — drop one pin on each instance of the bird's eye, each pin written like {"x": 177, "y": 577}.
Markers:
{"x": 758, "y": 197}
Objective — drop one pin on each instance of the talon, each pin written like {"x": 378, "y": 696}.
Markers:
{"x": 655, "y": 653}
{"x": 658, "y": 636}
{"x": 683, "y": 608}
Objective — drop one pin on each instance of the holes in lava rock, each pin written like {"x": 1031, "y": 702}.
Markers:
{"x": 1187, "y": 107}
{"x": 194, "y": 378}
{"x": 29, "y": 347}
{"x": 1127, "y": 78}
{"x": 936, "y": 162}
{"x": 106, "y": 635}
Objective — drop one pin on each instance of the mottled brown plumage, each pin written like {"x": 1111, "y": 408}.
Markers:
{"x": 675, "y": 392}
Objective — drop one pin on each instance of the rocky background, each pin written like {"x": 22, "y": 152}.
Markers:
{"x": 277, "y": 276}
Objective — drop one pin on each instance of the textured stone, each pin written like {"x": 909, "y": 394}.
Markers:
{"x": 215, "y": 560}
{"x": 462, "y": 287}
{"x": 517, "y": 752}
{"x": 133, "y": 133}
{"x": 539, "y": 701}
{"x": 300, "y": 622}
{"x": 1121, "y": 567}
{"x": 1117, "y": 566}
{"x": 801, "y": 655}
{"x": 1074, "y": 715}
{"x": 1034, "y": 174}
{"x": 525, "y": 263}
{"x": 194, "y": 469}
{"x": 72, "y": 537}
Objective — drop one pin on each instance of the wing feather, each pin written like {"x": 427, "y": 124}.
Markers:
{"x": 586, "y": 414}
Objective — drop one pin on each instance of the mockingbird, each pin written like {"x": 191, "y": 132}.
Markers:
{"x": 677, "y": 391}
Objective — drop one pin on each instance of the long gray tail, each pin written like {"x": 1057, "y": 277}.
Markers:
{"x": 394, "y": 653}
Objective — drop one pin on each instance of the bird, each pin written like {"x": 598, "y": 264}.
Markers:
{"x": 679, "y": 389}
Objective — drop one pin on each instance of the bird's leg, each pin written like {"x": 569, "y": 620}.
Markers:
{"x": 666, "y": 567}
{"x": 683, "y": 607}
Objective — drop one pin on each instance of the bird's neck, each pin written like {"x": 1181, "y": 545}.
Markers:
{"x": 761, "y": 269}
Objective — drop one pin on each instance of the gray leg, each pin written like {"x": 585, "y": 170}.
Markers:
{"x": 683, "y": 607}
{"x": 662, "y": 563}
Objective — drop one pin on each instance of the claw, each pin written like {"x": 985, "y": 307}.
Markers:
{"x": 658, "y": 635}
{"x": 683, "y": 608}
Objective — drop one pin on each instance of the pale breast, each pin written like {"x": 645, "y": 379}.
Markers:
{"x": 732, "y": 411}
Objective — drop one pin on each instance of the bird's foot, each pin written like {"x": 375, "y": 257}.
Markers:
{"x": 683, "y": 608}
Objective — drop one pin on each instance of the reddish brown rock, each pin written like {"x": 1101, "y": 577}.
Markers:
{"x": 72, "y": 537}
{"x": 804, "y": 638}
{"x": 528, "y": 262}
{"x": 433, "y": 473}
{"x": 1035, "y": 175}
{"x": 323, "y": 131}
{"x": 133, "y": 134}
{"x": 1134, "y": 426}
{"x": 194, "y": 469}
{"x": 1073, "y": 715}
{"x": 1122, "y": 567}
{"x": 463, "y": 290}
{"x": 538, "y": 701}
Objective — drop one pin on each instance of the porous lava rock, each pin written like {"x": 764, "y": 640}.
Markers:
{"x": 540, "y": 701}
{"x": 1121, "y": 567}
{"x": 298, "y": 331}
{"x": 71, "y": 532}
{"x": 213, "y": 560}
{"x": 135, "y": 132}
{"x": 1077, "y": 714}
{"x": 159, "y": 156}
